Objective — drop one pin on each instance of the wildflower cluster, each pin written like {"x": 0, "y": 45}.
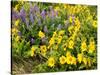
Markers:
{"x": 60, "y": 36}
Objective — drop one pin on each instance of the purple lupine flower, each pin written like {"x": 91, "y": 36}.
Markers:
{"x": 32, "y": 40}
{"x": 43, "y": 14}
{"x": 36, "y": 9}
{"x": 39, "y": 22}
{"x": 48, "y": 14}
{"x": 23, "y": 15}
{"x": 56, "y": 13}
{"x": 31, "y": 18}
{"x": 27, "y": 23}
{"x": 31, "y": 7}
{"x": 66, "y": 23}
{"x": 19, "y": 33}
{"x": 45, "y": 29}
{"x": 30, "y": 13}
{"x": 15, "y": 14}
{"x": 52, "y": 14}
{"x": 59, "y": 27}
{"x": 73, "y": 17}
{"x": 44, "y": 40}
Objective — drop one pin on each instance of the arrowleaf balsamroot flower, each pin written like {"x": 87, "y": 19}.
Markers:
{"x": 94, "y": 24}
{"x": 91, "y": 46}
{"x": 62, "y": 59}
{"x": 70, "y": 29}
{"x": 74, "y": 62}
{"x": 69, "y": 59}
{"x": 83, "y": 46}
{"x": 32, "y": 51}
{"x": 89, "y": 62}
{"x": 77, "y": 22}
{"x": 57, "y": 8}
{"x": 85, "y": 60}
{"x": 43, "y": 50}
{"x": 52, "y": 41}
{"x": 70, "y": 19}
{"x": 14, "y": 31}
{"x": 41, "y": 34}
{"x": 51, "y": 62}
{"x": 64, "y": 46}
{"x": 61, "y": 32}
{"x": 54, "y": 34}
{"x": 17, "y": 38}
{"x": 80, "y": 57}
{"x": 59, "y": 39}
{"x": 71, "y": 44}
{"x": 68, "y": 54}
{"x": 17, "y": 22}
{"x": 16, "y": 7}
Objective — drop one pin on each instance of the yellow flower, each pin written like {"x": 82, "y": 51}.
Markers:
{"x": 80, "y": 57}
{"x": 69, "y": 59}
{"x": 65, "y": 21}
{"x": 65, "y": 6}
{"x": 59, "y": 39}
{"x": 61, "y": 32}
{"x": 14, "y": 30}
{"x": 77, "y": 22}
{"x": 57, "y": 8}
{"x": 41, "y": 34}
{"x": 17, "y": 23}
{"x": 64, "y": 49}
{"x": 89, "y": 61}
{"x": 68, "y": 54}
{"x": 70, "y": 19}
{"x": 85, "y": 60}
{"x": 71, "y": 44}
{"x": 94, "y": 24}
{"x": 52, "y": 41}
{"x": 91, "y": 46}
{"x": 73, "y": 60}
{"x": 64, "y": 46}
{"x": 54, "y": 34}
{"x": 89, "y": 17}
{"x": 83, "y": 46}
{"x": 55, "y": 47}
{"x": 43, "y": 49}
{"x": 21, "y": 2}
{"x": 32, "y": 50}
{"x": 17, "y": 7}
{"x": 62, "y": 59}
{"x": 51, "y": 62}
{"x": 70, "y": 29}
{"x": 17, "y": 38}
